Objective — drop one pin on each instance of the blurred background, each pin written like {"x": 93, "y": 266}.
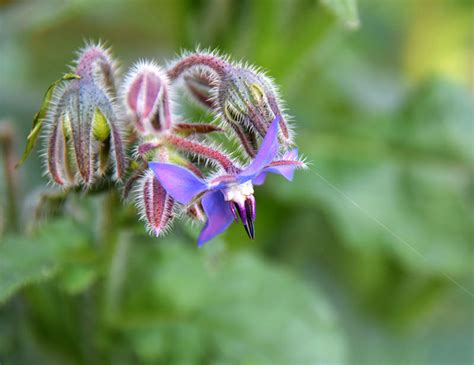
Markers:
{"x": 366, "y": 258}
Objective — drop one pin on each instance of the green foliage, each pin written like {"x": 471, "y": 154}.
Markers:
{"x": 223, "y": 309}
{"x": 345, "y": 10}
{"x": 28, "y": 260}
{"x": 426, "y": 171}
{"x": 157, "y": 300}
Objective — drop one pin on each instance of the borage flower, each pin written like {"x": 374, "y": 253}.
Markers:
{"x": 230, "y": 195}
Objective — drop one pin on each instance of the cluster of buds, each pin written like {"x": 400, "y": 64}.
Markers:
{"x": 175, "y": 167}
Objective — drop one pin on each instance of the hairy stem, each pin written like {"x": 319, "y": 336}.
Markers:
{"x": 215, "y": 63}
{"x": 202, "y": 151}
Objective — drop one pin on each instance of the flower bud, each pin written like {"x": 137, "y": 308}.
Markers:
{"x": 248, "y": 101}
{"x": 96, "y": 64}
{"x": 84, "y": 133}
{"x": 146, "y": 95}
{"x": 242, "y": 96}
{"x": 154, "y": 204}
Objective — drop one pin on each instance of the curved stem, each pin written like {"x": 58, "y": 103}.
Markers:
{"x": 198, "y": 59}
{"x": 203, "y": 151}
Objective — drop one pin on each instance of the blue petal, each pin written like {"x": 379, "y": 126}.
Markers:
{"x": 267, "y": 152}
{"x": 286, "y": 166}
{"x": 290, "y": 155}
{"x": 260, "y": 179}
{"x": 287, "y": 171}
{"x": 219, "y": 216}
{"x": 180, "y": 183}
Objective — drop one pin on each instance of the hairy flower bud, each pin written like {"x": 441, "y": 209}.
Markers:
{"x": 96, "y": 64}
{"x": 146, "y": 96}
{"x": 242, "y": 96}
{"x": 84, "y": 133}
{"x": 154, "y": 204}
{"x": 248, "y": 101}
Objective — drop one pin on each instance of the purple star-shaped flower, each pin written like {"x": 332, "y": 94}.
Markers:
{"x": 228, "y": 196}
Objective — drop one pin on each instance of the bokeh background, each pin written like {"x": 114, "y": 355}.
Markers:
{"x": 367, "y": 258}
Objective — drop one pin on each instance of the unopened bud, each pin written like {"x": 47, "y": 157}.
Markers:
{"x": 154, "y": 204}
{"x": 84, "y": 123}
{"x": 241, "y": 95}
{"x": 146, "y": 95}
{"x": 96, "y": 63}
{"x": 248, "y": 100}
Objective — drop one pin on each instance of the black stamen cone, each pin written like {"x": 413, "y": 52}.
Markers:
{"x": 234, "y": 212}
{"x": 249, "y": 231}
{"x": 245, "y": 214}
{"x": 239, "y": 213}
{"x": 249, "y": 227}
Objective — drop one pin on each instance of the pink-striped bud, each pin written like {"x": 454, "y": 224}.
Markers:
{"x": 146, "y": 95}
{"x": 84, "y": 138}
{"x": 154, "y": 204}
{"x": 96, "y": 63}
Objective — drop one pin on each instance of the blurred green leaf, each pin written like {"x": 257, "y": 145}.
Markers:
{"x": 412, "y": 172}
{"x": 223, "y": 309}
{"x": 77, "y": 278}
{"x": 25, "y": 261}
{"x": 345, "y": 10}
{"x": 437, "y": 120}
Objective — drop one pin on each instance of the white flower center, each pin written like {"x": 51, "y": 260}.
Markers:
{"x": 238, "y": 193}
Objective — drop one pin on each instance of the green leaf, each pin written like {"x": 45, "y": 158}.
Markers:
{"x": 345, "y": 10}
{"x": 77, "y": 278}
{"x": 421, "y": 192}
{"x": 232, "y": 308}
{"x": 25, "y": 261}
{"x": 41, "y": 115}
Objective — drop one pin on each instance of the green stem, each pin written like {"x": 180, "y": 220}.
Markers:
{"x": 108, "y": 225}
{"x": 115, "y": 243}
{"x": 10, "y": 176}
{"x": 116, "y": 276}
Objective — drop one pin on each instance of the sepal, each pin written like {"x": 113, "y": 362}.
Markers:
{"x": 41, "y": 115}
